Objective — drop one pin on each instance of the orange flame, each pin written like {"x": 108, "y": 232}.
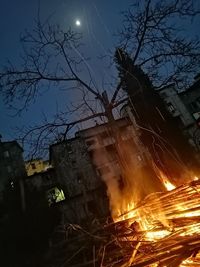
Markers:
{"x": 145, "y": 217}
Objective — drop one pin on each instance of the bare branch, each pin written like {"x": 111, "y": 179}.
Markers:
{"x": 40, "y": 136}
{"x": 116, "y": 92}
{"x": 152, "y": 34}
{"x": 48, "y": 59}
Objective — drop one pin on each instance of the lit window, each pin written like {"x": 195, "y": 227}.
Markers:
{"x": 55, "y": 195}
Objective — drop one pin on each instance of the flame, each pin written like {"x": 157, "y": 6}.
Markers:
{"x": 169, "y": 186}
{"x": 158, "y": 212}
{"x": 196, "y": 178}
{"x": 164, "y": 179}
{"x": 153, "y": 218}
{"x": 192, "y": 261}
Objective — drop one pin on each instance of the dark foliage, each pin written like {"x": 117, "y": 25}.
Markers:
{"x": 160, "y": 132}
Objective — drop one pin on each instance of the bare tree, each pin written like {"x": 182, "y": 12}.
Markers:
{"x": 157, "y": 44}
{"x": 52, "y": 58}
{"x": 156, "y": 35}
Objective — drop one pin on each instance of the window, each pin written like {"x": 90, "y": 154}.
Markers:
{"x": 69, "y": 150}
{"x": 55, "y": 195}
{"x": 103, "y": 170}
{"x": 73, "y": 162}
{"x": 1, "y": 196}
{"x": 90, "y": 142}
{"x": 48, "y": 177}
{"x": 163, "y": 95}
{"x": 194, "y": 106}
{"x": 9, "y": 169}
{"x": 6, "y": 154}
{"x": 198, "y": 101}
{"x": 33, "y": 166}
{"x": 179, "y": 122}
{"x": 91, "y": 154}
{"x": 92, "y": 207}
{"x": 104, "y": 135}
{"x": 79, "y": 178}
{"x": 111, "y": 150}
{"x": 170, "y": 107}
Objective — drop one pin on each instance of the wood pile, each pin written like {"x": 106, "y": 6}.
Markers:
{"x": 164, "y": 230}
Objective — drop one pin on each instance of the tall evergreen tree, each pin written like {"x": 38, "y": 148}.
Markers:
{"x": 169, "y": 149}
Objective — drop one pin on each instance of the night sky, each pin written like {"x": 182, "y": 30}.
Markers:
{"x": 100, "y": 20}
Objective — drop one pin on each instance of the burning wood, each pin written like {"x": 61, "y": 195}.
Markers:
{"x": 164, "y": 230}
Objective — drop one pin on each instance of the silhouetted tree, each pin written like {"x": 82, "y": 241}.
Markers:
{"x": 156, "y": 35}
{"x": 52, "y": 56}
{"x": 160, "y": 133}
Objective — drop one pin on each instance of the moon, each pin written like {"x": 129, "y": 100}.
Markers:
{"x": 78, "y": 23}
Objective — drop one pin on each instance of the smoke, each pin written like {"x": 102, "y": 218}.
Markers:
{"x": 127, "y": 178}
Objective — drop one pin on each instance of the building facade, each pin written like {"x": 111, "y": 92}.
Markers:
{"x": 84, "y": 191}
{"x": 191, "y": 99}
{"x": 185, "y": 107}
{"x": 101, "y": 146}
{"x": 46, "y": 183}
{"x": 12, "y": 167}
{"x": 89, "y": 168}
{"x": 36, "y": 166}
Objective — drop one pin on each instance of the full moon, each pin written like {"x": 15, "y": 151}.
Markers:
{"x": 78, "y": 23}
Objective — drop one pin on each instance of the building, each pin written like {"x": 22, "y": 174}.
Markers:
{"x": 185, "y": 107}
{"x": 84, "y": 191}
{"x": 101, "y": 146}
{"x": 36, "y": 166}
{"x": 176, "y": 106}
{"x": 191, "y": 99}
{"x": 46, "y": 183}
{"x": 93, "y": 167}
{"x": 12, "y": 167}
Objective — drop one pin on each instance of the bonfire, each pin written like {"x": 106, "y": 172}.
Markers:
{"x": 162, "y": 230}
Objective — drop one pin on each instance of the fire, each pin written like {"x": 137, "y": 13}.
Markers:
{"x": 164, "y": 179}
{"x": 192, "y": 261}
{"x": 169, "y": 186}
{"x": 161, "y": 216}
{"x": 196, "y": 178}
